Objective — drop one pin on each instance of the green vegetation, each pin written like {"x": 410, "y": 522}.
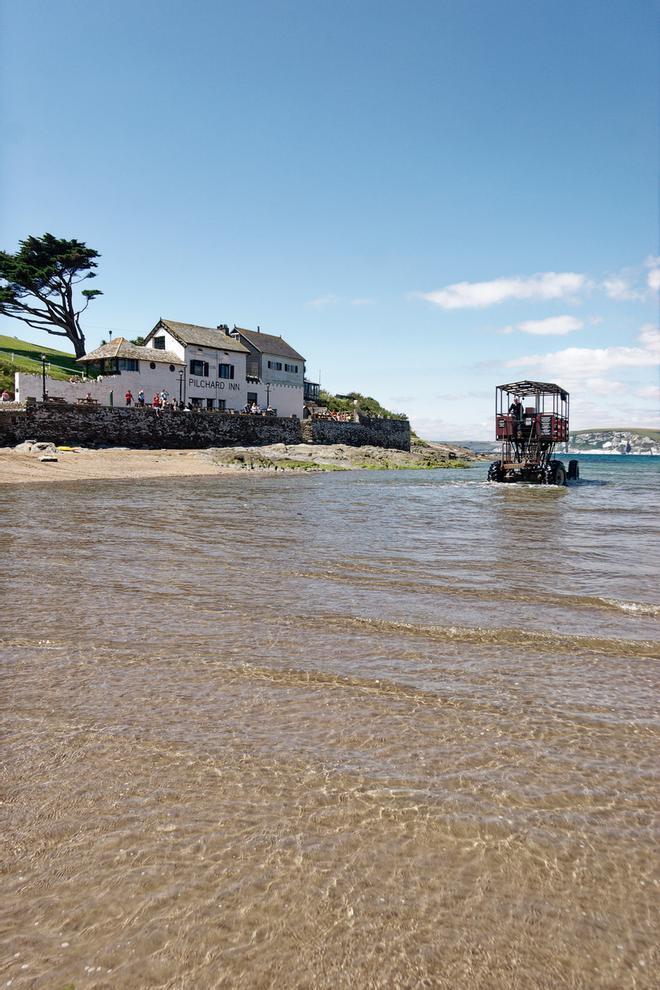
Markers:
{"x": 38, "y": 282}
{"x": 365, "y": 404}
{"x": 21, "y": 355}
{"x": 430, "y": 465}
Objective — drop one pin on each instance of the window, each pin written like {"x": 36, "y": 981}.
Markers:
{"x": 291, "y": 367}
{"x": 222, "y": 403}
{"x": 199, "y": 368}
{"x": 251, "y": 397}
{"x": 159, "y": 343}
{"x": 225, "y": 371}
{"x": 275, "y": 365}
{"x": 152, "y": 365}
{"x": 172, "y": 368}
{"x": 127, "y": 364}
{"x": 209, "y": 403}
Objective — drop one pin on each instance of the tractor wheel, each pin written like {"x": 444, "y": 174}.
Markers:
{"x": 558, "y": 473}
{"x": 573, "y": 470}
{"x": 495, "y": 471}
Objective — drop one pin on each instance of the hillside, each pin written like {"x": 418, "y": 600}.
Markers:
{"x": 633, "y": 441}
{"x": 633, "y": 431}
{"x": 22, "y": 355}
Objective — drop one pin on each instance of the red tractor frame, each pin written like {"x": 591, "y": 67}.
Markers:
{"x": 530, "y": 419}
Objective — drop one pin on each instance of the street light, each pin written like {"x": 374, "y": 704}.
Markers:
{"x": 181, "y": 388}
{"x": 44, "y": 393}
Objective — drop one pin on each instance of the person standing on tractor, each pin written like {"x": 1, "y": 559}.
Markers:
{"x": 516, "y": 410}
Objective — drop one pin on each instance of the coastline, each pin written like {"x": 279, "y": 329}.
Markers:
{"x": 128, "y": 464}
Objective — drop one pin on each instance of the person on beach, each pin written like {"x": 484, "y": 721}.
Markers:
{"x": 140, "y": 398}
{"x": 155, "y": 402}
{"x": 164, "y": 396}
{"x": 129, "y": 398}
{"x": 5, "y": 397}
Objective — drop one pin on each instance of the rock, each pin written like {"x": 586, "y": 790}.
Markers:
{"x": 36, "y": 447}
{"x": 48, "y": 457}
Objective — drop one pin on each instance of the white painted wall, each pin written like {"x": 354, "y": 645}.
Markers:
{"x": 285, "y": 377}
{"x": 150, "y": 379}
{"x": 171, "y": 344}
{"x": 287, "y": 399}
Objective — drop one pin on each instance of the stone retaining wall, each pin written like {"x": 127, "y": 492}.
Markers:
{"x": 393, "y": 433}
{"x": 89, "y": 426}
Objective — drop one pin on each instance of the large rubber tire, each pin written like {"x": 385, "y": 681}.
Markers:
{"x": 573, "y": 470}
{"x": 558, "y": 473}
{"x": 495, "y": 471}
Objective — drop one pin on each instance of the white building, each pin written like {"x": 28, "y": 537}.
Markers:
{"x": 227, "y": 370}
{"x": 210, "y": 368}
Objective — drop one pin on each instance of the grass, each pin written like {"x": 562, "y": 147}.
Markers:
{"x": 21, "y": 355}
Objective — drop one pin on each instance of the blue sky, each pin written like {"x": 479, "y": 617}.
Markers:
{"x": 425, "y": 198}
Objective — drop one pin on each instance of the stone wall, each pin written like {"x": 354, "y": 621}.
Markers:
{"x": 89, "y": 426}
{"x": 393, "y": 433}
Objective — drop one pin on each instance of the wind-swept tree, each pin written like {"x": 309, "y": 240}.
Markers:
{"x": 37, "y": 285}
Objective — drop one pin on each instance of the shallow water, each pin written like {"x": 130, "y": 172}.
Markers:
{"x": 367, "y": 729}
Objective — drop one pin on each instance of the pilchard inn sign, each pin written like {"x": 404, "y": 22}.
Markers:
{"x": 219, "y": 383}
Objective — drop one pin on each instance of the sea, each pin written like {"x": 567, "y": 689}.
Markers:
{"x": 349, "y": 730}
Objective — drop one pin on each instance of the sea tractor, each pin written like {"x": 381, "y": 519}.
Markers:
{"x": 530, "y": 419}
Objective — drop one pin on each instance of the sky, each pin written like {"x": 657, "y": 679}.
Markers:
{"x": 427, "y": 199}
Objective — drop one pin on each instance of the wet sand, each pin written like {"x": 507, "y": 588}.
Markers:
{"x": 84, "y": 464}
{"x": 88, "y": 465}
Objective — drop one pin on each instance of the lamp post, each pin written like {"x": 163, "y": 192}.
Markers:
{"x": 267, "y": 395}
{"x": 180, "y": 387}
{"x": 44, "y": 393}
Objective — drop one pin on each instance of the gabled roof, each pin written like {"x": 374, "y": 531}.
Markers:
{"x": 120, "y": 347}
{"x": 269, "y": 343}
{"x": 190, "y": 333}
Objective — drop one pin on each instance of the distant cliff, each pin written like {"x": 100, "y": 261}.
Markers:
{"x": 616, "y": 441}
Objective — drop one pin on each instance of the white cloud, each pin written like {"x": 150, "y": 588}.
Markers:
{"x": 322, "y": 301}
{"x": 478, "y": 295}
{"x": 653, "y": 279}
{"x": 579, "y": 363}
{"x": 649, "y": 392}
{"x": 653, "y": 275}
{"x": 619, "y": 288}
{"x": 557, "y": 325}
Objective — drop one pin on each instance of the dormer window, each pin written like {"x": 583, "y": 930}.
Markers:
{"x": 159, "y": 343}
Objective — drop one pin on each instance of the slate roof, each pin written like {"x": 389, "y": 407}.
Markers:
{"x": 190, "y": 333}
{"x": 269, "y": 343}
{"x": 120, "y": 347}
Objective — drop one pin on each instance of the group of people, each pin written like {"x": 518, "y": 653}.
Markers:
{"x": 161, "y": 400}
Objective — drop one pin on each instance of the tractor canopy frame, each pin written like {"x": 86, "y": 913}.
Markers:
{"x": 530, "y": 419}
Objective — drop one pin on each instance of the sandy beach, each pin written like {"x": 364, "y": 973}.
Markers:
{"x": 18, "y": 466}
{"x": 88, "y": 465}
